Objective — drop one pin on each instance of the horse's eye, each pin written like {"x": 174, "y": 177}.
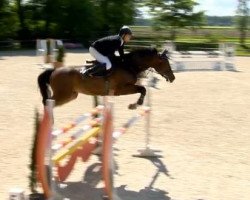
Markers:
{"x": 163, "y": 58}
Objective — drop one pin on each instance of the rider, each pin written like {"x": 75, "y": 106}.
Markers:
{"x": 105, "y": 48}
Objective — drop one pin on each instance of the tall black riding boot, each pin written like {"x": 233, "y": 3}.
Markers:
{"x": 97, "y": 70}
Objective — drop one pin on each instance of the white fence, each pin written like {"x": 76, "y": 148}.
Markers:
{"x": 208, "y": 60}
{"x": 42, "y": 50}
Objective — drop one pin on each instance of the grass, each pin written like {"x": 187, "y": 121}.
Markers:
{"x": 243, "y": 51}
{"x": 192, "y": 43}
{"x": 145, "y": 35}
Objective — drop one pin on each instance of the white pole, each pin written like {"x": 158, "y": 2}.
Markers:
{"x": 147, "y": 151}
{"x": 53, "y": 183}
{"x": 148, "y": 117}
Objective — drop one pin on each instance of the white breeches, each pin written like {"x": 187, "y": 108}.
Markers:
{"x": 100, "y": 58}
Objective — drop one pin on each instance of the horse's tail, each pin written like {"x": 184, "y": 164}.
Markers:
{"x": 43, "y": 82}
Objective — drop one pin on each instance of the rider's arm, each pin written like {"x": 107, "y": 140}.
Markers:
{"x": 121, "y": 51}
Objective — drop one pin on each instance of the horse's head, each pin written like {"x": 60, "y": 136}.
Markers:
{"x": 162, "y": 66}
{"x": 145, "y": 58}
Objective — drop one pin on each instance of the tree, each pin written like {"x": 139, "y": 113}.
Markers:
{"x": 79, "y": 20}
{"x": 116, "y": 13}
{"x": 242, "y": 19}
{"x": 175, "y": 14}
{"x": 219, "y": 20}
{"x": 8, "y": 20}
{"x": 43, "y": 16}
{"x": 23, "y": 30}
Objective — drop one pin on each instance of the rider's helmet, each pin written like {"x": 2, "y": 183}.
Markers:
{"x": 125, "y": 30}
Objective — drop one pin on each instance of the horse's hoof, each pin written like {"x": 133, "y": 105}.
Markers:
{"x": 140, "y": 102}
{"x": 132, "y": 106}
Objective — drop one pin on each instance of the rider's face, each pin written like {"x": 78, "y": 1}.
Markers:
{"x": 127, "y": 37}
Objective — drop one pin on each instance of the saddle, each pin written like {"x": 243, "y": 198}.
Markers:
{"x": 95, "y": 69}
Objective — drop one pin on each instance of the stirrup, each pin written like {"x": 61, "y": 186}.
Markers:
{"x": 88, "y": 72}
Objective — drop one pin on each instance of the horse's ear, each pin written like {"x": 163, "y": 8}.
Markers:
{"x": 165, "y": 52}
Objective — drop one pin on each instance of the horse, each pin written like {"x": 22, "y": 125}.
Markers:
{"x": 67, "y": 83}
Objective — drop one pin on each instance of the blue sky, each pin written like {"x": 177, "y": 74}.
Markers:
{"x": 217, "y": 7}
{"x": 214, "y": 7}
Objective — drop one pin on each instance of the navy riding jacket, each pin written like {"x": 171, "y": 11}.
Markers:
{"x": 108, "y": 45}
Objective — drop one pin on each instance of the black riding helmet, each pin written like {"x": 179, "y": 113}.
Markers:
{"x": 125, "y": 30}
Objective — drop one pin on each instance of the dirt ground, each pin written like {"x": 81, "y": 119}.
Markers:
{"x": 200, "y": 123}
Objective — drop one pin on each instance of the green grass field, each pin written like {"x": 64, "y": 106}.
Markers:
{"x": 146, "y": 36}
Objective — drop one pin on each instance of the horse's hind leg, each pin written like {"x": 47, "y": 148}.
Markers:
{"x": 132, "y": 89}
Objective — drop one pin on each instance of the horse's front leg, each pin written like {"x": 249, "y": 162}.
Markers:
{"x": 142, "y": 91}
{"x": 132, "y": 89}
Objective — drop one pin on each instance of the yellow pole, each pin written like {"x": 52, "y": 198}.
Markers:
{"x": 70, "y": 148}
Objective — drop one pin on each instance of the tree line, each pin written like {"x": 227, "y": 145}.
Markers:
{"x": 81, "y": 20}
{"x": 85, "y": 20}
{"x": 208, "y": 21}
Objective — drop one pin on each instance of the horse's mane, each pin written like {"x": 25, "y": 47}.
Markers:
{"x": 132, "y": 60}
{"x": 149, "y": 51}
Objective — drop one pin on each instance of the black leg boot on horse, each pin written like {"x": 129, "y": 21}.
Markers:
{"x": 97, "y": 70}
{"x": 43, "y": 82}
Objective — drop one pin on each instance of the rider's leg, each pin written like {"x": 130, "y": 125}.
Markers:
{"x": 100, "y": 58}
{"x": 104, "y": 61}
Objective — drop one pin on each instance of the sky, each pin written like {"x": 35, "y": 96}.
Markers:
{"x": 214, "y": 7}
{"x": 217, "y": 7}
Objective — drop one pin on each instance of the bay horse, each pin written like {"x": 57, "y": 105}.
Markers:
{"x": 66, "y": 83}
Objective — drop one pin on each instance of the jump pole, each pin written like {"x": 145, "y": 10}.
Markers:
{"x": 44, "y": 165}
{"x": 75, "y": 145}
{"x": 54, "y": 188}
{"x": 46, "y": 161}
{"x": 147, "y": 151}
{"x": 107, "y": 154}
